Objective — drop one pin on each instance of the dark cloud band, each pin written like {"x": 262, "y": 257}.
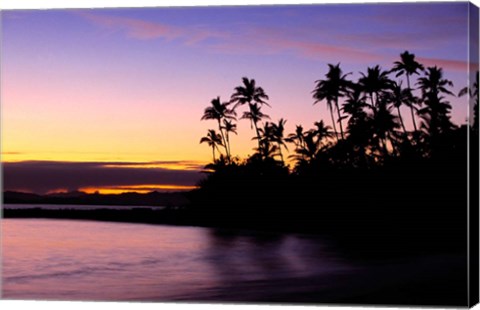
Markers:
{"x": 44, "y": 176}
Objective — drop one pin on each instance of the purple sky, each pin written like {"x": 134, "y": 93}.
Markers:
{"x": 130, "y": 85}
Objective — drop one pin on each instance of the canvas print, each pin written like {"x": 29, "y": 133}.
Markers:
{"x": 280, "y": 154}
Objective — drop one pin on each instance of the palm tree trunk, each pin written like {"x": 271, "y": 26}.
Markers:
{"x": 257, "y": 132}
{"x": 411, "y": 106}
{"x": 223, "y": 139}
{"x": 228, "y": 145}
{"x": 374, "y": 108}
{"x": 254, "y": 123}
{"x": 213, "y": 153}
{"x": 339, "y": 118}
{"x": 333, "y": 124}
{"x": 401, "y": 120}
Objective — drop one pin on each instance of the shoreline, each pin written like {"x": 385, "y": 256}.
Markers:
{"x": 360, "y": 238}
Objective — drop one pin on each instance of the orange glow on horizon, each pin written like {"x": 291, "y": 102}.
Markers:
{"x": 190, "y": 165}
{"x": 187, "y": 165}
{"x": 141, "y": 189}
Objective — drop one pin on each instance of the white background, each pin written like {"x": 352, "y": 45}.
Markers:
{"x": 42, "y": 305}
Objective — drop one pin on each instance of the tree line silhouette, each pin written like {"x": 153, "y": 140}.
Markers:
{"x": 375, "y": 129}
{"x": 365, "y": 167}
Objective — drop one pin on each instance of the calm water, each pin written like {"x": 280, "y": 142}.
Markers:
{"x": 88, "y": 260}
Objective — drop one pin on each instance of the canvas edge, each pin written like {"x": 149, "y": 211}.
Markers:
{"x": 473, "y": 162}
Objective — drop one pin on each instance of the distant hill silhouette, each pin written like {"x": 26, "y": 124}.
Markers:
{"x": 171, "y": 199}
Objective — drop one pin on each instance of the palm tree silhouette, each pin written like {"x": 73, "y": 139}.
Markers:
{"x": 304, "y": 155}
{"x": 278, "y": 135}
{"x": 473, "y": 93}
{"x": 435, "y": 114}
{"x": 475, "y": 107}
{"x": 255, "y": 115}
{"x": 255, "y": 97}
{"x": 266, "y": 149}
{"x": 385, "y": 125}
{"x": 374, "y": 83}
{"x": 309, "y": 144}
{"x": 229, "y": 126}
{"x": 399, "y": 96}
{"x": 219, "y": 111}
{"x": 309, "y": 150}
{"x": 322, "y": 94}
{"x": 354, "y": 105}
{"x": 321, "y": 131}
{"x": 331, "y": 89}
{"x": 213, "y": 139}
{"x": 408, "y": 66}
{"x": 434, "y": 83}
{"x": 297, "y": 137}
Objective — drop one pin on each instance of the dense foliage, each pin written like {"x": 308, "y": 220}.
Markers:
{"x": 367, "y": 168}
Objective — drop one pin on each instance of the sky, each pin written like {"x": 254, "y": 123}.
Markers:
{"x": 111, "y": 99}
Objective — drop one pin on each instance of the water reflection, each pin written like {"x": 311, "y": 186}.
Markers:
{"x": 86, "y": 260}
{"x": 242, "y": 256}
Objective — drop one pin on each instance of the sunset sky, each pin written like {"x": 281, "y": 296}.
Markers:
{"x": 112, "y": 98}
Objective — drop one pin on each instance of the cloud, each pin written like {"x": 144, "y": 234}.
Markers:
{"x": 319, "y": 50}
{"x": 269, "y": 41}
{"x": 389, "y": 40}
{"x": 312, "y": 39}
{"x": 146, "y": 30}
{"x": 252, "y": 39}
{"x": 47, "y": 176}
{"x": 447, "y": 64}
{"x": 134, "y": 28}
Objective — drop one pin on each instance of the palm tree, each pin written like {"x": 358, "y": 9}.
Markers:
{"x": 399, "y": 96}
{"x": 254, "y": 96}
{"x": 278, "y": 135}
{"x": 331, "y": 89}
{"x": 321, "y": 93}
{"x": 434, "y": 83}
{"x": 267, "y": 136}
{"x": 213, "y": 139}
{"x": 435, "y": 118}
{"x": 229, "y": 126}
{"x": 475, "y": 106}
{"x": 310, "y": 143}
{"x": 219, "y": 111}
{"x": 360, "y": 124}
{"x": 255, "y": 115}
{"x": 310, "y": 149}
{"x": 321, "y": 131}
{"x": 435, "y": 114}
{"x": 266, "y": 150}
{"x": 297, "y": 137}
{"x": 374, "y": 83}
{"x": 385, "y": 125}
{"x": 473, "y": 93}
{"x": 408, "y": 66}
{"x": 354, "y": 106}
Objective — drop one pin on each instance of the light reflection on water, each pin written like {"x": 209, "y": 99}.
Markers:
{"x": 87, "y": 260}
